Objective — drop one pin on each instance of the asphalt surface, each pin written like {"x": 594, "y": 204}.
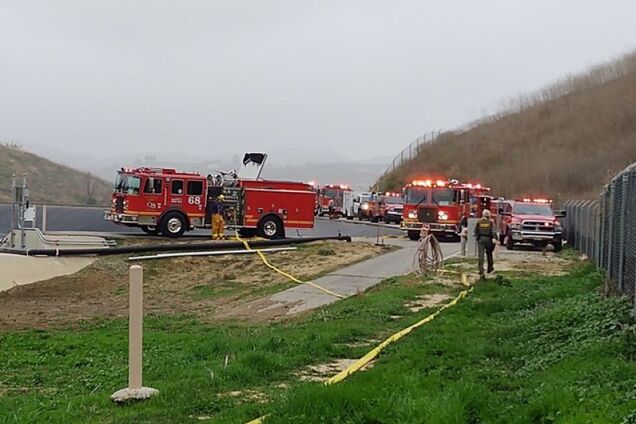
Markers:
{"x": 74, "y": 218}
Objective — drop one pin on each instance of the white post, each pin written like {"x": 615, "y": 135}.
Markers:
{"x": 135, "y": 327}
{"x": 44, "y": 218}
{"x": 135, "y": 389}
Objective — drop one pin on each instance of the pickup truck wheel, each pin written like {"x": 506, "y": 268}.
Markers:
{"x": 510, "y": 244}
{"x": 173, "y": 224}
{"x": 414, "y": 234}
{"x": 558, "y": 245}
{"x": 271, "y": 227}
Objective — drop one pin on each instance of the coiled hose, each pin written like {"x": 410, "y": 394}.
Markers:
{"x": 429, "y": 258}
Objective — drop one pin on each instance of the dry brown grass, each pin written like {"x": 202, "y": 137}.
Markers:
{"x": 50, "y": 182}
{"x": 565, "y": 141}
{"x": 212, "y": 288}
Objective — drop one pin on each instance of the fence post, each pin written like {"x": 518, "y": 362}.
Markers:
{"x": 135, "y": 389}
{"x": 610, "y": 230}
{"x": 621, "y": 232}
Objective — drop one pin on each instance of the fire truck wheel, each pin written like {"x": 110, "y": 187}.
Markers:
{"x": 247, "y": 232}
{"x": 414, "y": 235}
{"x": 173, "y": 224}
{"x": 271, "y": 227}
{"x": 151, "y": 230}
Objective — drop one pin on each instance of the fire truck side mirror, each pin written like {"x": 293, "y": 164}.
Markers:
{"x": 557, "y": 214}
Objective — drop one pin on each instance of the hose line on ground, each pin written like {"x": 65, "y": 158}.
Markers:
{"x": 283, "y": 273}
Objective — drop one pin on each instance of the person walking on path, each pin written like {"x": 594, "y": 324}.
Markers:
{"x": 486, "y": 239}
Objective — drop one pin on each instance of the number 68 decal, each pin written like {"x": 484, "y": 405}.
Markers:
{"x": 194, "y": 200}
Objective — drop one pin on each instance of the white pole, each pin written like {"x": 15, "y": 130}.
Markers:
{"x": 135, "y": 389}
{"x": 135, "y": 327}
{"x": 44, "y": 218}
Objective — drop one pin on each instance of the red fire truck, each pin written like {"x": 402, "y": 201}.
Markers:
{"x": 441, "y": 204}
{"x": 166, "y": 201}
{"x": 338, "y": 197}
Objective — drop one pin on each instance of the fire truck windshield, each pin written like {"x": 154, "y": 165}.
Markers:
{"x": 444, "y": 196}
{"x": 532, "y": 209}
{"x": 127, "y": 184}
{"x": 415, "y": 195}
{"x": 330, "y": 192}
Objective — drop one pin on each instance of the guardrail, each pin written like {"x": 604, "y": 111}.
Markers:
{"x": 605, "y": 230}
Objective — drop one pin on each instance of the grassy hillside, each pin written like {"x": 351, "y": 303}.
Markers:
{"x": 49, "y": 182}
{"x": 565, "y": 141}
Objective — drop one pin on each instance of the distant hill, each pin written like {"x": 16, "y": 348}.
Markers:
{"x": 565, "y": 141}
{"x": 49, "y": 182}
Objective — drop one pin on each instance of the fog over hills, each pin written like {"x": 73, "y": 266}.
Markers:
{"x": 299, "y": 164}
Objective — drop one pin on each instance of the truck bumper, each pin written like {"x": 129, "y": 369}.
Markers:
{"x": 127, "y": 219}
{"x": 434, "y": 227}
{"x": 535, "y": 236}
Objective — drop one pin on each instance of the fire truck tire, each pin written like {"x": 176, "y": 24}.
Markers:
{"x": 150, "y": 230}
{"x": 247, "y": 232}
{"x": 414, "y": 234}
{"x": 173, "y": 224}
{"x": 271, "y": 227}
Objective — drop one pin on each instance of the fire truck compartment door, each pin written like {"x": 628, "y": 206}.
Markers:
{"x": 252, "y": 166}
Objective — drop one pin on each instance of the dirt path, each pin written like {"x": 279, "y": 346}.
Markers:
{"x": 199, "y": 285}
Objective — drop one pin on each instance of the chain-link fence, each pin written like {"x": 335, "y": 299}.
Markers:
{"x": 605, "y": 230}
{"x": 412, "y": 150}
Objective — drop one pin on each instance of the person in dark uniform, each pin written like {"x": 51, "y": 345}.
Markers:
{"x": 486, "y": 239}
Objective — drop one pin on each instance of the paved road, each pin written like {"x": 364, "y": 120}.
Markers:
{"x": 66, "y": 218}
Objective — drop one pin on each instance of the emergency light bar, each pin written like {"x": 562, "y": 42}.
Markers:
{"x": 539, "y": 200}
{"x": 429, "y": 183}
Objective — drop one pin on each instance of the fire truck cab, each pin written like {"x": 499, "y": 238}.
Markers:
{"x": 170, "y": 202}
{"x": 441, "y": 205}
{"x": 530, "y": 221}
{"x": 372, "y": 208}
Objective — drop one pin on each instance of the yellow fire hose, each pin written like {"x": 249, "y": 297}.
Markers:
{"x": 372, "y": 354}
{"x": 285, "y": 274}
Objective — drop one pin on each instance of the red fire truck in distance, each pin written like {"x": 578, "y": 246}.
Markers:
{"x": 339, "y": 197}
{"x": 166, "y": 201}
{"x": 441, "y": 205}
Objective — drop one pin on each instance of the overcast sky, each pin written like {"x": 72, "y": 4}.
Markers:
{"x": 223, "y": 76}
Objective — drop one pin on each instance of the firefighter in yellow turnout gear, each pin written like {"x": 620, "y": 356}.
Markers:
{"x": 218, "y": 223}
{"x": 214, "y": 209}
{"x": 486, "y": 239}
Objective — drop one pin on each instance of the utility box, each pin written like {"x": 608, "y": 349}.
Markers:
{"x": 471, "y": 242}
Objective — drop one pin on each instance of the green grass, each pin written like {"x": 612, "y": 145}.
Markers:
{"x": 539, "y": 350}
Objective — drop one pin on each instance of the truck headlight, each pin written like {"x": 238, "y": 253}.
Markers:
{"x": 442, "y": 216}
{"x": 365, "y": 206}
{"x": 412, "y": 214}
{"x": 515, "y": 226}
